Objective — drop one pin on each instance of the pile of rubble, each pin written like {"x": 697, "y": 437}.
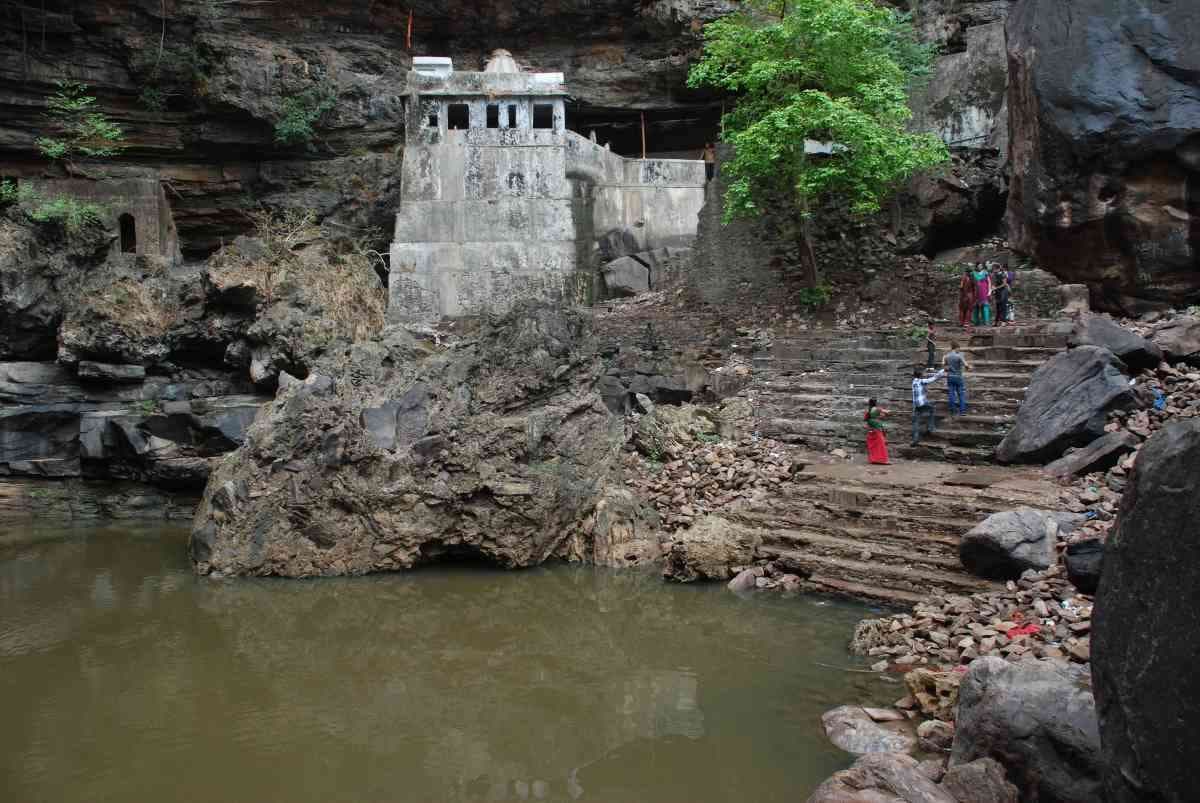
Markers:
{"x": 1041, "y": 615}
{"x": 702, "y": 477}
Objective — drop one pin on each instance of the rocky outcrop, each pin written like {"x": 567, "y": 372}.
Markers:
{"x": 1133, "y": 350}
{"x": 1006, "y": 544}
{"x": 1105, "y": 146}
{"x": 495, "y": 450}
{"x": 1145, "y": 633}
{"x": 1066, "y": 404}
{"x": 1038, "y": 719}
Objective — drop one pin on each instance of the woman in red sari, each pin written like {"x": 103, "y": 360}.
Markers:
{"x": 966, "y": 298}
{"x": 877, "y": 451}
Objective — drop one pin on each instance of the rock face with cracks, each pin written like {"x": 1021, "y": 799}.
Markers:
{"x": 1146, "y": 625}
{"x": 495, "y": 450}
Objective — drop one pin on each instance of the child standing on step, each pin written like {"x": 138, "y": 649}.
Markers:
{"x": 930, "y": 348}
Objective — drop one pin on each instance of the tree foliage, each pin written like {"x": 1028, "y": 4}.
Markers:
{"x": 303, "y": 112}
{"x": 830, "y": 71}
{"x": 83, "y": 130}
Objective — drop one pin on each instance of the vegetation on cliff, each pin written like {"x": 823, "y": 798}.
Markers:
{"x": 834, "y": 72}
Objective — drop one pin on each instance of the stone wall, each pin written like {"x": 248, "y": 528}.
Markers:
{"x": 143, "y": 199}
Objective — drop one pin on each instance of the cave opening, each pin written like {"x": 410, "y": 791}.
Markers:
{"x": 128, "y": 234}
{"x": 987, "y": 221}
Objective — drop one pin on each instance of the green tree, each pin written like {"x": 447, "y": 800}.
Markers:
{"x": 829, "y": 71}
{"x": 84, "y": 131}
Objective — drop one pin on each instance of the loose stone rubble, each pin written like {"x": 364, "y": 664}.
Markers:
{"x": 949, "y": 630}
{"x": 705, "y": 476}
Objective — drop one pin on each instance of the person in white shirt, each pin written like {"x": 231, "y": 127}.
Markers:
{"x": 921, "y": 405}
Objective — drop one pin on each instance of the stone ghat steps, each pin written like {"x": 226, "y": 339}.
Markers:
{"x": 811, "y": 390}
{"x": 887, "y": 534}
{"x": 891, "y": 583}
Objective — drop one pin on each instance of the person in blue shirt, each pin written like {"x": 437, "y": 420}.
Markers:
{"x": 921, "y": 405}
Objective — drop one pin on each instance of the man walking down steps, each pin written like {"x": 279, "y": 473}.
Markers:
{"x": 921, "y": 405}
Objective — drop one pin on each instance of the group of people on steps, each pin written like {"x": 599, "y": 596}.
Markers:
{"x": 954, "y": 368}
{"x": 985, "y": 295}
{"x": 984, "y": 299}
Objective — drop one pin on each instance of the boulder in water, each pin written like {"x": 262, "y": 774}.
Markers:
{"x": 710, "y": 550}
{"x": 853, "y": 730}
{"x": 1036, "y": 718}
{"x": 882, "y": 777}
{"x": 1066, "y": 404}
{"x": 1145, "y": 637}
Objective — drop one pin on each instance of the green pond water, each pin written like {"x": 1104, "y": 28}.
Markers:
{"x": 125, "y": 678}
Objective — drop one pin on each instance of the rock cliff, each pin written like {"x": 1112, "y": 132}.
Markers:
{"x": 1104, "y": 102}
{"x": 497, "y": 449}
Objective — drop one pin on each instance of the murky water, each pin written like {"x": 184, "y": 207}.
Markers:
{"x": 123, "y": 678}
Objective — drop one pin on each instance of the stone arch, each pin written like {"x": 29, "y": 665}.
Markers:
{"x": 128, "y": 228}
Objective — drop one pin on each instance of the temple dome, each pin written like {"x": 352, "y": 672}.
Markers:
{"x": 501, "y": 62}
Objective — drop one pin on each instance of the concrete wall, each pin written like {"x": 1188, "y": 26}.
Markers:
{"x": 491, "y": 215}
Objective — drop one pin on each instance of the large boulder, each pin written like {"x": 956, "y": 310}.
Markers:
{"x": 853, "y": 730}
{"x": 881, "y": 778}
{"x": 501, "y": 456}
{"x": 1098, "y": 330}
{"x": 1085, "y": 562}
{"x": 1066, "y": 404}
{"x": 1005, "y": 544}
{"x": 1104, "y": 119}
{"x": 1179, "y": 338}
{"x": 981, "y": 781}
{"x": 1146, "y": 630}
{"x": 626, "y": 276}
{"x": 1038, "y": 719}
{"x": 711, "y": 549}
{"x": 1099, "y": 455}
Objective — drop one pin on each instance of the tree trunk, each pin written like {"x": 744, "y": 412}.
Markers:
{"x": 810, "y": 271}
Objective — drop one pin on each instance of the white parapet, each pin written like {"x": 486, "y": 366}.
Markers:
{"x": 437, "y": 66}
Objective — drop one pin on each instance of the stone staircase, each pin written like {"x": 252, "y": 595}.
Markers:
{"x": 891, "y": 533}
{"x": 812, "y": 389}
{"x": 887, "y": 533}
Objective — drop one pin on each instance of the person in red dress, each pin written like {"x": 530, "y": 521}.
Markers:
{"x": 877, "y": 451}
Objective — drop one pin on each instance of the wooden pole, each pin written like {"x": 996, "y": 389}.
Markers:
{"x": 643, "y": 135}
{"x": 408, "y": 36}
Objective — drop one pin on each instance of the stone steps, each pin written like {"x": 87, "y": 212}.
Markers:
{"x": 880, "y": 581}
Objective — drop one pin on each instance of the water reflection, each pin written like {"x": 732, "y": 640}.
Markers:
{"x": 123, "y": 677}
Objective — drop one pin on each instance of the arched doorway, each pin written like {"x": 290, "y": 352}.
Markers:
{"x": 128, "y": 234}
